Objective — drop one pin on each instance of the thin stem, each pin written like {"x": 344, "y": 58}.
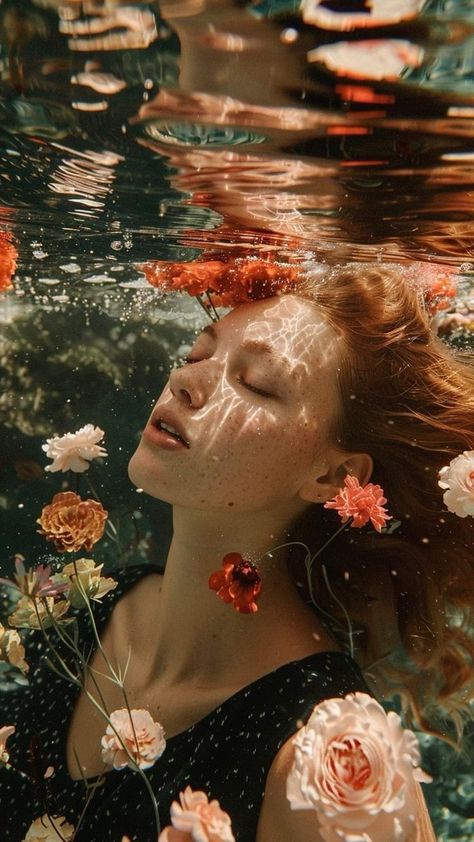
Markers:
{"x": 212, "y": 305}
{"x": 346, "y": 615}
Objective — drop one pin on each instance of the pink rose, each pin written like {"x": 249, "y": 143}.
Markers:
{"x": 356, "y": 766}
{"x": 458, "y": 479}
{"x": 144, "y": 740}
{"x": 197, "y": 820}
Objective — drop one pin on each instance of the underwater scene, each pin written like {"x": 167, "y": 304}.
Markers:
{"x": 236, "y": 420}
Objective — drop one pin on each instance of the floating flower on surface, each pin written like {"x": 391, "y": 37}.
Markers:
{"x": 374, "y": 13}
{"x": 358, "y": 768}
{"x": 84, "y": 572}
{"x": 439, "y": 286}
{"x": 72, "y": 523}
{"x": 74, "y": 451}
{"x": 238, "y": 583}
{"x": 384, "y": 58}
{"x": 197, "y": 819}
{"x": 5, "y": 732}
{"x": 144, "y": 740}
{"x": 35, "y": 582}
{"x": 458, "y": 480}
{"x": 362, "y": 503}
{"x": 46, "y": 829}
{"x": 230, "y": 282}
{"x": 39, "y": 613}
{"x": 8, "y": 258}
{"x": 12, "y": 650}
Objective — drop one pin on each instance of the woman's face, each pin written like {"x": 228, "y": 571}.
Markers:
{"x": 255, "y": 403}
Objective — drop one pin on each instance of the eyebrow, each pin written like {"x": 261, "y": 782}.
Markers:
{"x": 256, "y": 346}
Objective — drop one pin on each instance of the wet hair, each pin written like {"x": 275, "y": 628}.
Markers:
{"x": 408, "y": 401}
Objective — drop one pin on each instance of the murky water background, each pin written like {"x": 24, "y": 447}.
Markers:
{"x": 138, "y": 131}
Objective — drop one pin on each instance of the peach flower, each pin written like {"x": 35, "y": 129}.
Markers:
{"x": 5, "y": 732}
{"x": 238, "y": 583}
{"x": 35, "y": 582}
{"x": 382, "y": 58}
{"x": 89, "y": 575}
{"x": 357, "y": 767}
{"x": 12, "y": 650}
{"x": 42, "y": 830}
{"x": 360, "y": 503}
{"x": 144, "y": 740}
{"x": 72, "y": 523}
{"x": 33, "y": 613}
{"x": 374, "y": 13}
{"x": 196, "y": 819}
{"x": 74, "y": 451}
{"x": 458, "y": 480}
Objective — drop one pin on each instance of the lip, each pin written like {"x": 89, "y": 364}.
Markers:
{"x": 161, "y": 436}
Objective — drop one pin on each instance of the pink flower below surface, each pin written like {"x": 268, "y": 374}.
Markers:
{"x": 362, "y": 503}
{"x": 357, "y": 767}
{"x": 142, "y": 737}
{"x": 238, "y": 583}
{"x": 196, "y": 819}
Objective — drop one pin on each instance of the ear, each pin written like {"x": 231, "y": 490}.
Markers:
{"x": 329, "y": 479}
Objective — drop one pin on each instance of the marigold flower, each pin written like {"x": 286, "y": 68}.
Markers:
{"x": 34, "y": 582}
{"x": 45, "y": 830}
{"x": 144, "y": 739}
{"x": 197, "y": 818}
{"x": 458, "y": 480}
{"x": 12, "y": 650}
{"x": 238, "y": 583}
{"x": 74, "y": 451}
{"x": 72, "y": 523}
{"x": 360, "y": 503}
{"x": 357, "y": 767}
{"x": 5, "y": 732}
{"x": 84, "y": 572}
{"x": 37, "y": 613}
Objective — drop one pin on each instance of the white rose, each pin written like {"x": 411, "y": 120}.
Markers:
{"x": 357, "y": 767}
{"x": 89, "y": 575}
{"x": 74, "y": 451}
{"x": 458, "y": 479}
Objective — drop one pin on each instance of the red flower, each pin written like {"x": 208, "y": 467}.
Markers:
{"x": 360, "y": 503}
{"x": 230, "y": 282}
{"x": 238, "y": 582}
{"x": 8, "y": 258}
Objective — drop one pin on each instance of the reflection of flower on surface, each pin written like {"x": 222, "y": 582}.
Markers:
{"x": 12, "y": 650}
{"x": 144, "y": 739}
{"x": 384, "y": 58}
{"x": 375, "y": 13}
{"x": 458, "y": 480}
{"x": 74, "y": 451}
{"x": 357, "y": 767}
{"x": 124, "y": 27}
{"x": 89, "y": 575}
{"x": 8, "y": 258}
{"x": 362, "y": 503}
{"x": 72, "y": 523}
{"x": 5, "y": 732}
{"x": 439, "y": 286}
{"x": 230, "y": 282}
{"x": 43, "y": 830}
{"x": 196, "y": 819}
{"x": 39, "y": 613}
{"x": 238, "y": 583}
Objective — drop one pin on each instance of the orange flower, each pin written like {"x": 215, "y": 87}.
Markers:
{"x": 360, "y": 503}
{"x": 239, "y": 582}
{"x": 72, "y": 523}
{"x": 8, "y": 256}
{"x": 230, "y": 282}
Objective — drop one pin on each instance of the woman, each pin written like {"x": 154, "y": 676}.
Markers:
{"x": 279, "y": 401}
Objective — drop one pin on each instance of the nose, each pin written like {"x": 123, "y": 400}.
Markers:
{"x": 190, "y": 386}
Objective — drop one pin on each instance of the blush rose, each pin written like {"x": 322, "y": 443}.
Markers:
{"x": 142, "y": 737}
{"x": 458, "y": 480}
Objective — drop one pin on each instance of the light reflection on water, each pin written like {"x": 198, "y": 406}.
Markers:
{"x": 140, "y": 131}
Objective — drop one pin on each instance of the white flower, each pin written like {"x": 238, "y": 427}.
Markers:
{"x": 458, "y": 479}
{"x": 375, "y": 13}
{"x": 73, "y": 451}
{"x": 143, "y": 738}
{"x": 43, "y": 831}
{"x": 382, "y": 58}
{"x": 357, "y": 767}
{"x": 89, "y": 575}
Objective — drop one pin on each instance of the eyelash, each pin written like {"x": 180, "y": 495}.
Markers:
{"x": 261, "y": 392}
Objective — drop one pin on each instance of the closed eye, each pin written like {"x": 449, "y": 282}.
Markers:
{"x": 261, "y": 392}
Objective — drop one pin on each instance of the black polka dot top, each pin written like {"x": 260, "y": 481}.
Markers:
{"x": 227, "y": 754}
